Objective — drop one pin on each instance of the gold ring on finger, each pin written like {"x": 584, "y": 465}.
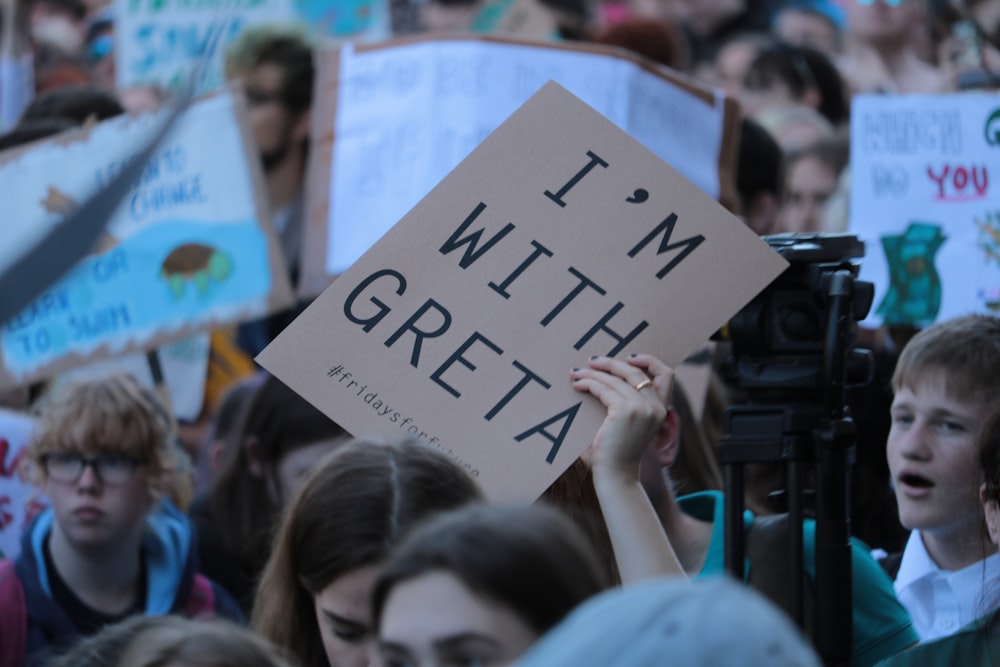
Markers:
{"x": 645, "y": 383}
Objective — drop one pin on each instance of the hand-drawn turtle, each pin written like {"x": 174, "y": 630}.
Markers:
{"x": 197, "y": 263}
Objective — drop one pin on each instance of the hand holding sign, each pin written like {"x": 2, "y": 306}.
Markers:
{"x": 636, "y": 393}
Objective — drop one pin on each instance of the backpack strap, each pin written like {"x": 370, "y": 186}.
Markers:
{"x": 767, "y": 548}
{"x": 201, "y": 602}
{"x": 13, "y": 617}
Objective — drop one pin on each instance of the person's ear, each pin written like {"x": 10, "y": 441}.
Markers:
{"x": 811, "y": 97}
{"x": 155, "y": 494}
{"x": 158, "y": 486}
{"x": 761, "y": 215}
{"x": 991, "y": 508}
{"x": 918, "y": 12}
{"x": 667, "y": 442}
{"x": 300, "y": 131}
{"x": 251, "y": 450}
{"x": 216, "y": 454}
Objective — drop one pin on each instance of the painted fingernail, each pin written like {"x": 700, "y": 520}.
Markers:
{"x": 633, "y": 355}
{"x": 576, "y": 370}
{"x": 594, "y": 358}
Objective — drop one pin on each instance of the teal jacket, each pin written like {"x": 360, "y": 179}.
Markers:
{"x": 881, "y": 627}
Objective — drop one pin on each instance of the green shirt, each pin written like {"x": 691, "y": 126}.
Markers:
{"x": 977, "y": 643}
{"x": 882, "y": 626}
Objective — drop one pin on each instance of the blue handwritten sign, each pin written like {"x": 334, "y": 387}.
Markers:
{"x": 187, "y": 250}
{"x": 159, "y": 41}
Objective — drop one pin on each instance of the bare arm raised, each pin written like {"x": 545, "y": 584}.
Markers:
{"x": 636, "y": 392}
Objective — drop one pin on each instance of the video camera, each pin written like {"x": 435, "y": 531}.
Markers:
{"x": 786, "y": 346}
{"x": 792, "y": 360}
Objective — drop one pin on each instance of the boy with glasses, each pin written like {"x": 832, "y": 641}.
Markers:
{"x": 111, "y": 545}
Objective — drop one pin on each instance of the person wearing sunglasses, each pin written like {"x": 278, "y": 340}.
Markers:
{"x": 274, "y": 63}
{"x": 111, "y": 545}
{"x": 883, "y": 51}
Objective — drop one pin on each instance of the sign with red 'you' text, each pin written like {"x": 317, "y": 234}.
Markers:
{"x": 558, "y": 238}
{"x": 922, "y": 169}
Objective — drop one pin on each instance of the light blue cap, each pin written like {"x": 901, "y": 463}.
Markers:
{"x": 706, "y": 622}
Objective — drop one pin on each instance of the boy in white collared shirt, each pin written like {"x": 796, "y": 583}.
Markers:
{"x": 946, "y": 384}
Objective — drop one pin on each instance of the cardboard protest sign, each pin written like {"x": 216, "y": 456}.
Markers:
{"x": 19, "y": 499}
{"x": 558, "y": 238}
{"x": 921, "y": 200}
{"x": 391, "y": 120}
{"x": 191, "y": 247}
{"x": 159, "y": 41}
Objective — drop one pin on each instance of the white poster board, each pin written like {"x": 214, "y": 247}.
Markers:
{"x": 406, "y": 114}
{"x": 923, "y": 169}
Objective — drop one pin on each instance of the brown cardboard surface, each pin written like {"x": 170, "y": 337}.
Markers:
{"x": 315, "y": 277}
{"x": 557, "y": 224}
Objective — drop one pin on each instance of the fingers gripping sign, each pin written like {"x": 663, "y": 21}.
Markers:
{"x": 635, "y": 392}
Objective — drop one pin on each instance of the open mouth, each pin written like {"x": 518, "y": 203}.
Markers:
{"x": 916, "y": 481}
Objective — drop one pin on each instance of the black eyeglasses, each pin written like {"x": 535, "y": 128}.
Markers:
{"x": 111, "y": 469}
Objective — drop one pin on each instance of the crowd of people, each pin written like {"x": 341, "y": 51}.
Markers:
{"x": 261, "y": 533}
